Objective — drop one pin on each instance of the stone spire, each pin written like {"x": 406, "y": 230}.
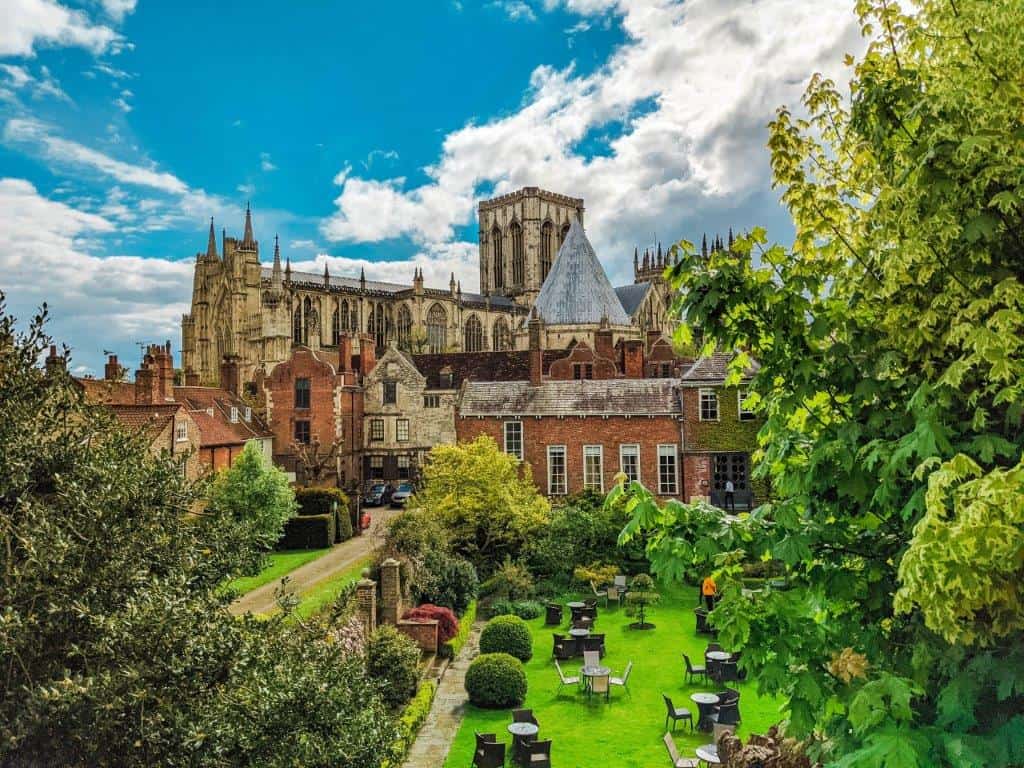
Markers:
{"x": 636, "y": 260}
{"x": 211, "y": 244}
{"x": 288, "y": 269}
{"x": 248, "y": 241}
{"x": 661, "y": 258}
{"x": 704, "y": 246}
{"x": 327, "y": 276}
{"x": 275, "y": 277}
{"x": 451, "y": 284}
{"x": 362, "y": 278}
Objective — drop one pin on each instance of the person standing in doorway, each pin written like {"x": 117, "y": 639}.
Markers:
{"x": 730, "y": 496}
{"x": 710, "y": 591}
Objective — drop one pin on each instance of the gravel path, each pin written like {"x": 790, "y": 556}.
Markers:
{"x": 304, "y": 578}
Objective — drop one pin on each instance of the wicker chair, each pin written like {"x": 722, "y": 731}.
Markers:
{"x": 490, "y": 754}
{"x": 593, "y": 643}
{"x": 537, "y": 754}
{"x": 553, "y": 615}
{"x": 524, "y": 716}
{"x": 563, "y": 647}
{"x": 674, "y": 713}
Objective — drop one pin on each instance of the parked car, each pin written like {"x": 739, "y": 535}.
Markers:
{"x": 378, "y": 495}
{"x": 401, "y": 495}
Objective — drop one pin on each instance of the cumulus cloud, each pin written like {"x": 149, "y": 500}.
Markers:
{"x": 118, "y": 9}
{"x": 28, "y": 24}
{"x": 680, "y": 111}
{"x": 517, "y": 10}
{"x": 103, "y": 302}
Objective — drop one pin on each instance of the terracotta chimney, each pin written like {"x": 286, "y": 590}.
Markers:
{"x": 345, "y": 353}
{"x": 55, "y": 362}
{"x": 367, "y": 354}
{"x": 112, "y": 370}
{"x": 147, "y": 380}
{"x": 603, "y": 344}
{"x": 536, "y": 330}
{"x": 633, "y": 359}
{"x": 166, "y": 372}
{"x": 229, "y": 375}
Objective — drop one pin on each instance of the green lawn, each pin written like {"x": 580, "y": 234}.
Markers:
{"x": 627, "y": 731}
{"x": 326, "y": 592}
{"x": 281, "y": 564}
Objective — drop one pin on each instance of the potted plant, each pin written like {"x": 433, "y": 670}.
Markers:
{"x": 642, "y": 593}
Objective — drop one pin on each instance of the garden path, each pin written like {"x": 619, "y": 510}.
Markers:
{"x": 435, "y": 737}
{"x": 303, "y": 579}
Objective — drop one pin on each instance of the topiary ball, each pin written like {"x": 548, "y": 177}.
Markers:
{"x": 496, "y": 681}
{"x": 507, "y": 634}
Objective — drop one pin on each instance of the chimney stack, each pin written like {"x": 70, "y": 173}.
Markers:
{"x": 229, "y": 375}
{"x": 367, "y": 354}
{"x": 112, "y": 370}
{"x": 147, "y": 379}
{"x": 55, "y": 363}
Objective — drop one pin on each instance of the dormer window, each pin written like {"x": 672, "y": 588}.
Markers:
{"x": 234, "y": 414}
{"x": 181, "y": 431}
{"x": 247, "y": 413}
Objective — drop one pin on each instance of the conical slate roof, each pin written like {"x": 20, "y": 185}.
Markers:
{"x": 577, "y": 290}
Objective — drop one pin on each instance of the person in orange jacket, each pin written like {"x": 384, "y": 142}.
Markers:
{"x": 710, "y": 592}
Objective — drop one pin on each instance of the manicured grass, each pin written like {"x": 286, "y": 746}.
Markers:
{"x": 626, "y": 731}
{"x": 326, "y": 592}
{"x": 281, "y": 564}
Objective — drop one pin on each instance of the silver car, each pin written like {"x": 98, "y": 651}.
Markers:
{"x": 401, "y": 495}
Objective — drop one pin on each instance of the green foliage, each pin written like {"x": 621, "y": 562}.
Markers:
{"x": 444, "y": 579}
{"x": 255, "y": 493}
{"x": 409, "y": 724}
{"x": 596, "y": 574}
{"x": 484, "y": 498}
{"x": 512, "y": 581}
{"x": 447, "y": 623}
{"x": 116, "y": 647}
{"x": 641, "y": 595}
{"x": 524, "y": 609}
{"x": 327, "y": 501}
{"x": 507, "y": 634}
{"x": 891, "y": 343}
{"x": 393, "y": 659}
{"x": 579, "y": 532}
{"x": 451, "y": 649}
{"x": 308, "y": 532}
{"x": 496, "y": 681}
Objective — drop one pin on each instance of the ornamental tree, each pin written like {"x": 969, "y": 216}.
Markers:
{"x": 115, "y": 644}
{"x": 891, "y": 342}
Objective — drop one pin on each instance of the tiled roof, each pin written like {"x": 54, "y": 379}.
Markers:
{"x": 105, "y": 392}
{"x": 481, "y": 366}
{"x": 638, "y": 397}
{"x": 149, "y": 418}
{"x": 218, "y": 429}
{"x": 713, "y": 369}
{"x": 632, "y": 296}
{"x": 576, "y": 290}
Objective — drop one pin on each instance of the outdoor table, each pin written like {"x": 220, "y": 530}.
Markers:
{"x": 709, "y": 754}
{"x": 576, "y": 604}
{"x": 714, "y": 661}
{"x": 592, "y": 672}
{"x": 718, "y": 655}
{"x": 705, "y": 703}
{"x": 579, "y": 632}
{"x": 520, "y": 732}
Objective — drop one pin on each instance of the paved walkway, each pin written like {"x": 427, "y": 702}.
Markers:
{"x": 304, "y": 578}
{"x": 430, "y": 749}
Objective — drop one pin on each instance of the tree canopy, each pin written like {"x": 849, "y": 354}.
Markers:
{"x": 115, "y": 645}
{"x": 890, "y": 339}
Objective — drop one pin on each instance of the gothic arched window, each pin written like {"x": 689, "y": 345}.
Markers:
{"x": 335, "y": 326}
{"x": 518, "y": 258}
{"x": 404, "y": 327}
{"x": 343, "y": 311}
{"x": 563, "y": 234}
{"x": 547, "y": 249}
{"x": 500, "y": 337}
{"x": 474, "y": 335}
{"x": 499, "y": 260}
{"x": 437, "y": 329}
{"x": 297, "y": 325}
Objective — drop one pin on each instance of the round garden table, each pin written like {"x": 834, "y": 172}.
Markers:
{"x": 520, "y": 733}
{"x": 576, "y": 604}
{"x": 579, "y": 632}
{"x": 589, "y": 673}
{"x": 709, "y": 754}
{"x": 718, "y": 655}
{"x": 705, "y": 703}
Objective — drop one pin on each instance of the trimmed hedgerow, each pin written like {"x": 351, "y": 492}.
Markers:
{"x": 308, "y": 532}
{"x": 393, "y": 659}
{"x": 321, "y": 501}
{"x": 496, "y": 681}
{"x": 507, "y": 634}
{"x": 451, "y": 649}
{"x": 524, "y": 609}
{"x": 409, "y": 724}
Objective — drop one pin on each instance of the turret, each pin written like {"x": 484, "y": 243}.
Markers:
{"x": 248, "y": 241}
{"x": 327, "y": 276}
{"x": 451, "y": 285}
{"x": 362, "y": 279}
{"x": 211, "y": 244}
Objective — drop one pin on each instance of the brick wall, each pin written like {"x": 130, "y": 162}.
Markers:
{"x": 574, "y": 433}
{"x": 726, "y": 434}
{"x": 423, "y": 633}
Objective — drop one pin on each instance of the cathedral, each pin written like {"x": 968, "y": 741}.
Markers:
{"x": 253, "y": 316}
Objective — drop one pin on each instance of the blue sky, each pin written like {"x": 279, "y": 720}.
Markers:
{"x": 365, "y": 133}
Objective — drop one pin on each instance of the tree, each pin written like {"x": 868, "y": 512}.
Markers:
{"x": 116, "y": 647}
{"x": 256, "y": 494}
{"x": 484, "y": 497}
{"x": 891, "y": 343}
{"x": 315, "y": 463}
{"x": 641, "y": 594}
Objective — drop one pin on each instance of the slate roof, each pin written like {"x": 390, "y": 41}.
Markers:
{"x": 576, "y": 290}
{"x": 481, "y": 366}
{"x": 638, "y": 397}
{"x": 632, "y": 296}
{"x": 713, "y": 369}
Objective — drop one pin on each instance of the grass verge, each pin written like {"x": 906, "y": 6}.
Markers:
{"x": 281, "y": 564}
{"x": 327, "y": 591}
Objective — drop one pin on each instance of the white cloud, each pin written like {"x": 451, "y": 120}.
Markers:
{"x": 246, "y": 189}
{"x": 265, "y": 162}
{"x": 517, "y": 10}
{"x": 28, "y": 24}
{"x": 110, "y": 71}
{"x": 379, "y": 154}
{"x": 684, "y": 102}
{"x": 103, "y": 302}
{"x": 121, "y": 102}
{"x": 118, "y": 9}
{"x": 41, "y": 86}
{"x": 304, "y": 245}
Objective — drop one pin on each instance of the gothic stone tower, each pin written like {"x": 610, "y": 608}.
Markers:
{"x": 520, "y": 234}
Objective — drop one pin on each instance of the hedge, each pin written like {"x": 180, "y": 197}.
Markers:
{"x": 409, "y": 724}
{"x": 507, "y": 634}
{"x": 394, "y": 660}
{"x": 320, "y": 501}
{"x": 496, "y": 681}
{"x": 308, "y": 532}
{"x": 451, "y": 650}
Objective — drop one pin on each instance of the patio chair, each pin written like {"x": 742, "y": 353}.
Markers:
{"x": 485, "y": 738}
{"x": 600, "y": 594}
{"x": 524, "y": 716}
{"x": 728, "y": 696}
{"x": 741, "y": 674}
{"x": 591, "y": 659}
{"x": 599, "y": 636}
{"x": 593, "y": 643}
{"x": 563, "y": 647}
{"x": 692, "y": 671}
{"x": 563, "y": 680}
{"x": 673, "y": 753}
{"x": 620, "y": 582}
{"x": 727, "y": 714}
{"x": 728, "y": 672}
{"x": 601, "y": 685}
{"x": 624, "y": 680}
{"x": 575, "y": 614}
{"x": 675, "y": 713}
{"x": 490, "y": 755}
{"x": 712, "y": 647}
{"x": 553, "y": 614}
{"x": 583, "y": 623}
{"x": 614, "y": 595}
{"x": 537, "y": 754}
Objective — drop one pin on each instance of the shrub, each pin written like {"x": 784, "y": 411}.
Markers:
{"x": 524, "y": 609}
{"x": 597, "y": 574}
{"x": 507, "y": 634}
{"x": 511, "y": 581}
{"x": 447, "y": 624}
{"x": 581, "y": 531}
{"x": 496, "y": 681}
{"x": 409, "y": 724}
{"x": 451, "y": 650}
{"x": 444, "y": 579}
{"x": 321, "y": 501}
{"x": 308, "y": 532}
{"x": 414, "y": 534}
{"x": 393, "y": 659}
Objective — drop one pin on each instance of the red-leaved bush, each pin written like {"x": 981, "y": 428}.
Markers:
{"x": 447, "y": 624}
